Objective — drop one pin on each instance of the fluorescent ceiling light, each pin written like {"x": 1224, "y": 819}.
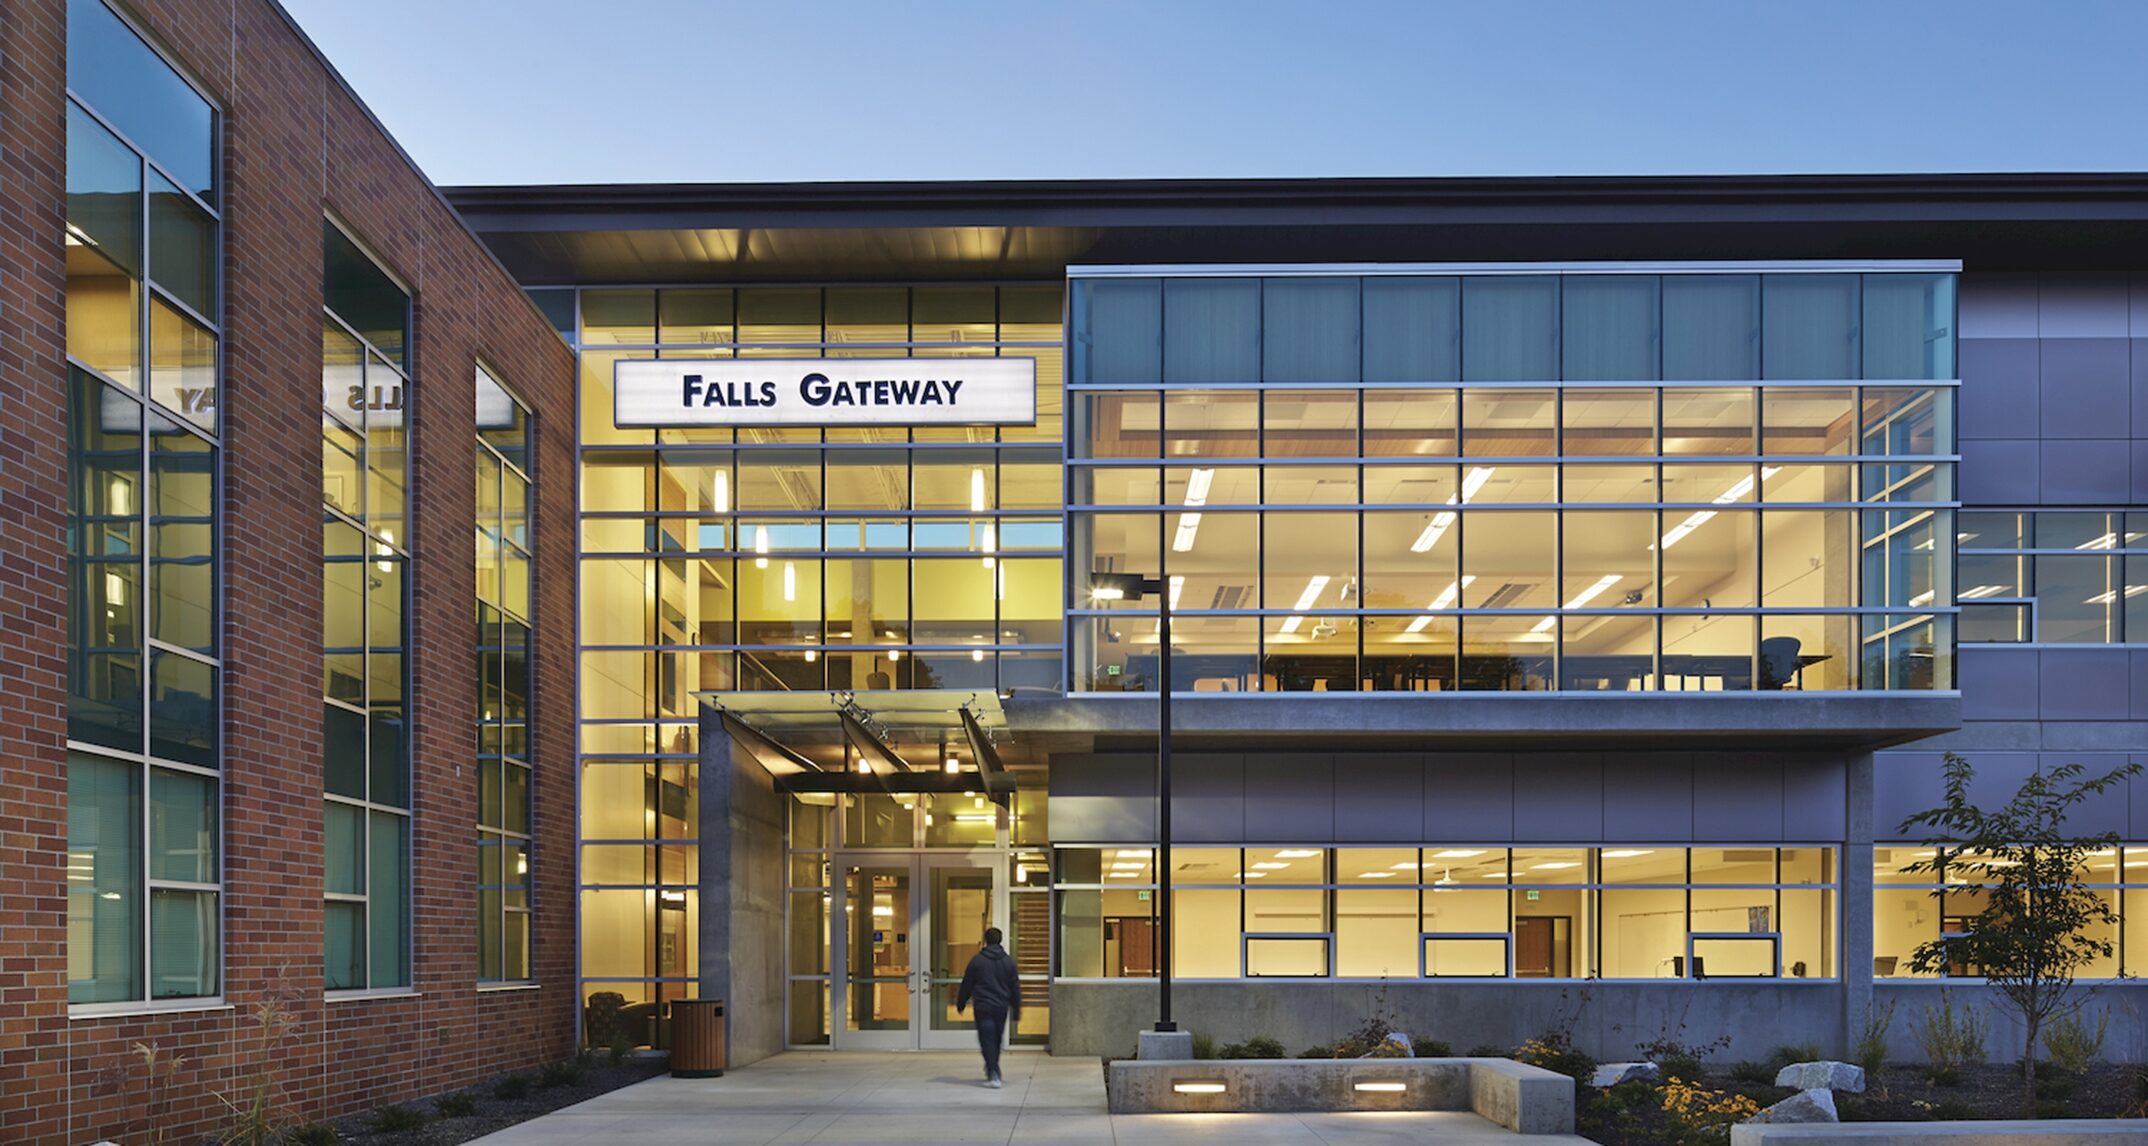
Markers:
{"x": 1446, "y": 597}
{"x": 1296, "y": 854}
{"x": 1178, "y": 585}
{"x": 760, "y": 546}
{"x": 1974, "y": 592}
{"x": 1701, "y": 517}
{"x": 1313, "y": 589}
{"x": 1376, "y": 875}
{"x": 1457, "y": 853}
{"x": 1126, "y": 875}
{"x": 2107, "y": 541}
{"x": 977, "y": 489}
{"x": 1406, "y": 866}
{"x": 1440, "y": 522}
{"x": 1554, "y": 865}
{"x": 1628, "y": 853}
{"x": 1189, "y": 525}
{"x": 2107, "y": 596}
{"x": 1270, "y": 865}
{"x": 720, "y": 496}
{"x": 1582, "y": 598}
{"x": 1133, "y": 853}
{"x": 1197, "y": 484}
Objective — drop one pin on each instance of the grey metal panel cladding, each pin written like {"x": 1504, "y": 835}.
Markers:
{"x": 1559, "y": 797}
{"x": 1815, "y": 799}
{"x": 2137, "y": 323}
{"x": 1998, "y": 306}
{"x": 2137, "y": 449}
{"x": 1995, "y": 472}
{"x": 2082, "y": 306}
{"x": 2085, "y": 684}
{"x": 2137, "y": 687}
{"x": 1103, "y": 798}
{"x": 1903, "y": 784}
{"x": 1999, "y": 386}
{"x": 1650, "y": 798}
{"x": 2137, "y": 352}
{"x": 1208, "y": 799}
{"x": 2086, "y": 472}
{"x": 1999, "y": 683}
{"x": 2108, "y": 813}
{"x": 1290, "y": 798}
{"x": 1469, "y": 797}
{"x": 1737, "y": 798}
{"x": 2085, "y": 386}
{"x": 1379, "y": 799}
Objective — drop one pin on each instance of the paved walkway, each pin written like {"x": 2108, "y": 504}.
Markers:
{"x": 818, "y": 1096}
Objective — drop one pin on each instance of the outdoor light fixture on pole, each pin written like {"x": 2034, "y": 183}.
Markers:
{"x": 1131, "y": 587}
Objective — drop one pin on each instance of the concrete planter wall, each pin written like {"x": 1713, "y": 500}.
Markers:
{"x": 1522, "y": 1098}
{"x": 2040, "y": 1132}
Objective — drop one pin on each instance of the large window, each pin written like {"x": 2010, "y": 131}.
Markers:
{"x": 1453, "y": 911}
{"x": 1912, "y": 909}
{"x": 143, "y": 245}
{"x": 1330, "y": 523}
{"x": 2066, "y": 577}
{"x": 366, "y": 629}
{"x": 503, "y": 682}
{"x": 859, "y": 558}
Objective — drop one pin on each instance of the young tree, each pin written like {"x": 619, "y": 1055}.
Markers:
{"x": 2034, "y": 931}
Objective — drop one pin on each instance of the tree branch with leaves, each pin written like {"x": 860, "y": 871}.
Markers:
{"x": 2040, "y": 924}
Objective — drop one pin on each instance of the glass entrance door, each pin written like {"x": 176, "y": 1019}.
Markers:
{"x": 910, "y": 925}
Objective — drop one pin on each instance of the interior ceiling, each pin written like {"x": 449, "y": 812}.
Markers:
{"x": 922, "y": 232}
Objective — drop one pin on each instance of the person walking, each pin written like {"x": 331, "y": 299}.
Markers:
{"x": 991, "y": 981}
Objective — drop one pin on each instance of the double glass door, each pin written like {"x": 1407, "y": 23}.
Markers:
{"x": 909, "y": 924}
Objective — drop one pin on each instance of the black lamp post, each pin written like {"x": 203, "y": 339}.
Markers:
{"x": 1131, "y": 587}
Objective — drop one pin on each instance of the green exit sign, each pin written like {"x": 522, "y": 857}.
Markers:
{"x": 1534, "y": 895}
{"x": 1141, "y": 897}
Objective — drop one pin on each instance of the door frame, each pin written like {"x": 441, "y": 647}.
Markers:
{"x": 921, "y": 937}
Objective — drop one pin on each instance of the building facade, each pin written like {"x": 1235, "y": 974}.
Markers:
{"x": 1568, "y": 586}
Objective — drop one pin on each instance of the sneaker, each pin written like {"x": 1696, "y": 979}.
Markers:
{"x": 992, "y": 1083}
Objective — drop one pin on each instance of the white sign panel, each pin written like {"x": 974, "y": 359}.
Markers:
{"x": 825, "y": 392}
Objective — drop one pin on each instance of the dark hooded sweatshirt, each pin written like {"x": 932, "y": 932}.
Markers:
{"x": 990, "y": 980}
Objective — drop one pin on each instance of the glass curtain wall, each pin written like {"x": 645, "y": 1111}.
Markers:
{"x": 2063, "y": 577}
{"x": 365, "y": 362}
{"x": 143, "y": 247}
{"x": 1911, "y": 909}
{"x": 1453, "y": 911}
{"x": 785, "y": 558}
{"x": 1521, "y": 482}
{"x": 503, "y": 682}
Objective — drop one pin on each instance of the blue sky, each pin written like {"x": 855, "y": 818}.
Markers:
{"x": 545, "y": 91}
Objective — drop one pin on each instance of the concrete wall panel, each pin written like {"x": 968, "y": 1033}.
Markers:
{"x": 1379, "y": 799}
{"x": 1290, "y": 798}
{"x": 1469, "y": 797}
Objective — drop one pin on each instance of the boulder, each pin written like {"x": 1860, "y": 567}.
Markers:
{"x": 1610, "y": 1074}
{"x": 1826, "y": 1075}
{"x": 1804, "y": 1106}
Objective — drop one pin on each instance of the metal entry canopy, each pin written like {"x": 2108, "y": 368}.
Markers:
{"x": 925, "y": 740}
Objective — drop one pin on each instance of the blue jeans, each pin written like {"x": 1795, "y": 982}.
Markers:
{"x": 991, "y": 1030}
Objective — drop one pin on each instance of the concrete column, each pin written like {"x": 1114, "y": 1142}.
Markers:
{"x": 1855, "y": 879}
{"x": 715, "y": 836}
{"x": 741, "y": 932}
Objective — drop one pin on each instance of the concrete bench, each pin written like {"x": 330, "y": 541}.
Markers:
{"x": 2036, "y": 1132}
{"x": 1522, "y": 1098}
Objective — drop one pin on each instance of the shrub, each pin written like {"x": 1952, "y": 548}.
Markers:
{"x": 2053, "y": 1108}
{"x": 1670, "y": 1050}
{"x": 1321, "y": 1051}
{"x": 1870, "y": 1046}
{"x": 455, "y": 1105}
{"x": 1488, "y": 1050}
{"x": 1231, "y": 1051}
{"x": 1850, "y": 1108}
{"x": 1559, "y": 1057}
{"x": 396, "y": 1118}
{"x": 1204, "y": 1045}
{"x": 1783, "y": 1056}
{"x": 1752, "y": 1072}
{"x": 1953, "y": 1110}
{"x": 1950, "y": 1037}
{"x": 1946, "y": 1076}
{"x": 2073, "y": 1047}
{"x": 2054, "y": 1089}
{"x": 559, "y": 1074}
{"x": 1262, "y": 1046}
{"x": 512, "y": 1087}
{"x": 311, "y": 1134}
{"x": 1704, "y": 1113}
{"x": 622, "y": 1046}
{"x": 1432, "y": 1048}
{"x": 584, "y": 1055}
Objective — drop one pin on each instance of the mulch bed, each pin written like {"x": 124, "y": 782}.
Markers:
{"x": 494, "y": 1112}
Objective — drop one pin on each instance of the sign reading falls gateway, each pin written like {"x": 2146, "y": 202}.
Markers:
{"x": 825, "y": 392}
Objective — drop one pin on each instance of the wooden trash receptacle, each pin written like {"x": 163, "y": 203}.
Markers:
{"x": 697, "y": 1038}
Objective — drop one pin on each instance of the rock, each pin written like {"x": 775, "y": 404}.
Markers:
{"x": 1826, "y": 1075}
{"x": 1804, "y": 1106}
{"x": 1610, "y": 1074}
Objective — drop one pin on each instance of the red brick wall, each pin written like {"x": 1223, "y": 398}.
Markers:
{"x": 296, "y": 146}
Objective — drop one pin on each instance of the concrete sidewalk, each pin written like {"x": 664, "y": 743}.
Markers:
{"x": 820, "y": 1096}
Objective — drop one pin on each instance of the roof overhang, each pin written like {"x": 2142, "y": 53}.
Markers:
{"x": 925, "y": 231}
{"x": 880, "y": 741}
